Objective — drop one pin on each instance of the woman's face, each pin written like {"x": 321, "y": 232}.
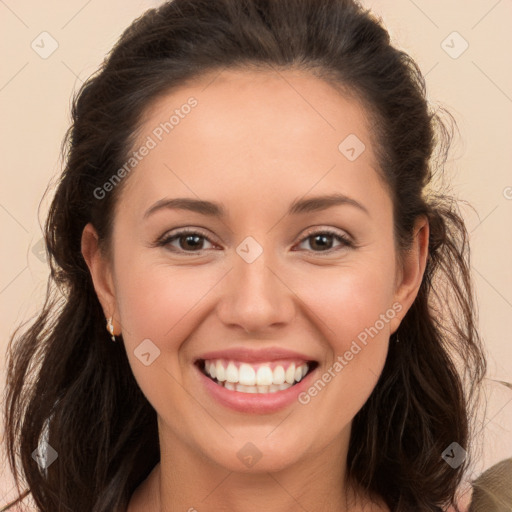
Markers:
{"x": 278, "y": 279}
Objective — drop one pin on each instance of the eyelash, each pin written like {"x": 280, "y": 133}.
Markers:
{"x": 167, "y": 239}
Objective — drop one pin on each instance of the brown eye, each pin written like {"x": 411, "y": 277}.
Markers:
{"x": 188, "y": 241}
{"x": 322, "y": 241}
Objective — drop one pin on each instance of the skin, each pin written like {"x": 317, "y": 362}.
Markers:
{"x": 256, "y": 141}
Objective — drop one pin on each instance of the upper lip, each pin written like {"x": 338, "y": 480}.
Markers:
{"x": 254, "y": 355}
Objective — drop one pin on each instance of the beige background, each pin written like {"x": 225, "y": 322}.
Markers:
{"x": 476, "y": 87}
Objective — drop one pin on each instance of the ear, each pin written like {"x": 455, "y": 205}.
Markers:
{"x": 101, "y": 271}
{"x": 410, "y": 274}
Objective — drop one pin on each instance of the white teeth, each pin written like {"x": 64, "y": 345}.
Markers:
{"x": 246, "y": 379}
{"x": 221, "y": 373}
{"x": 256, "y": 389}
{"x": 246, "y": 375}
{"x": 232, "y": 373}
{"x": 279, "y": 375}
{"x": 290, "y": 374}
{"x": 264, "y": 376}
{"x": 266, "y": 389}
{"x": 246, "y": 389}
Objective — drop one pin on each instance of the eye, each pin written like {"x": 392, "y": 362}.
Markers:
{"x": 323, "y": 240}
{"x": 188, "y": 241}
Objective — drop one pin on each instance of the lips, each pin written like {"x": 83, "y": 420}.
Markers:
{"x": 260, "y": 372}
{"x": 255, "y": 356}
{"x": 235, "y": 366}
{"x": 263, "y": 399}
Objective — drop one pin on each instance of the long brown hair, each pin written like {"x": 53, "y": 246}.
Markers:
{"x": 65, "y": 377}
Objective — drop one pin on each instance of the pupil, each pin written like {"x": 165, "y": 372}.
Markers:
{"x": 188, "y": 237}
{"x": 322, "y": 237}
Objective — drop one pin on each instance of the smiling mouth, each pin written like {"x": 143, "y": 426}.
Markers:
{"x": 255, "y": 378}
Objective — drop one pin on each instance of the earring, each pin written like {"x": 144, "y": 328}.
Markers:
{"x": 110, "y": 328}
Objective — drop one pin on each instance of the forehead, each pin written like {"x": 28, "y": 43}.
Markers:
{"x": 261, "y": 103}
{"x": 254, "y": 131}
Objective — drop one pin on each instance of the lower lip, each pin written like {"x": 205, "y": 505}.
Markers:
{"x": 258, "y": 403}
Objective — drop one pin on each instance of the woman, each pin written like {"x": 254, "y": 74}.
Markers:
{"x": 245, "y": 208}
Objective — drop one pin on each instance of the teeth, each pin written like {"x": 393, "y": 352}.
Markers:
{"x": 231, "y": 373}
{"x": 246, "y": 389}
{"x": 258, "y": 389}
{"x": 279, "y": 375}
{"x": 248, "y": 379}
{"x": 290, "y": 374}
{"x": 264, "y": 376}
{"x": 220, "y": 372}
{"x": 246, "y": 375}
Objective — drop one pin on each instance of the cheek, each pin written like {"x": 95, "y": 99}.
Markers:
{"x": 344, "y": 306}
{"x": 164, "y": 303}
{"x": 352, "y": 308}
{"x": 159, "y": 303}
{"x": 154, "y": 300}
{"x": 346, "y": 301}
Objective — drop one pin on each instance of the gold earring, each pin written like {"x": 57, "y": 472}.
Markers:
{"x": 110, "y": 328}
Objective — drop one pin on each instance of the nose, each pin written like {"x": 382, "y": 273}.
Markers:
{"x": 256, "y": 297}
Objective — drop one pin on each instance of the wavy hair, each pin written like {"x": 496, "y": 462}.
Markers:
{"x": 68, "y": 383}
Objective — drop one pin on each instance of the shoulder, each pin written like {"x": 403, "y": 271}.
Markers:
{"x": 463, "y": 502}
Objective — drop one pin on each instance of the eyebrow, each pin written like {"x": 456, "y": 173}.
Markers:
{"x": 213, "y": 209}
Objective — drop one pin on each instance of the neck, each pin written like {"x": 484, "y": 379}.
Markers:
{"x": 186, "y": 480}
